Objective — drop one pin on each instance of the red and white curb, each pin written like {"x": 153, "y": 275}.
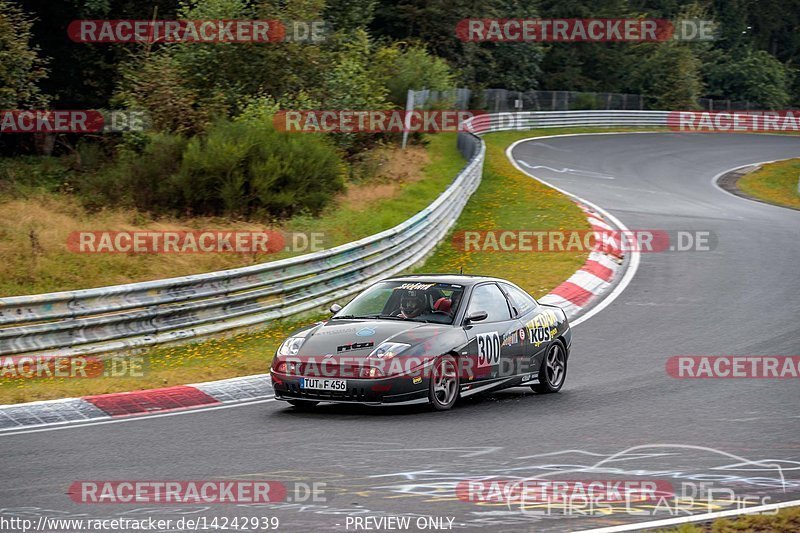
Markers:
{"x": 596, "y": 275}
{"x": 125, "y": 405}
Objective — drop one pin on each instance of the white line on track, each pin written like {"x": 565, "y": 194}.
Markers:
{"x": 567, "y": 170}
{"x": 635, "y": 258}
{"x": 636, "y": 526}
{"x": 135, "y": 418}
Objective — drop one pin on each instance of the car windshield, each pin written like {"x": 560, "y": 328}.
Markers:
{"x": 406, "y": 300}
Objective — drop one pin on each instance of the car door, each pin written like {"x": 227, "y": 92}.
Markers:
{"x": 495, "y": 346}
{"x": 538, "y": 323}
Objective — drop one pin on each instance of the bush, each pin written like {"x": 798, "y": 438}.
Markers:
{"x": 241, "y": 168}
{"x": 412, "y": 67}
{"x": 246, "y": 168}
{"x": 584, "y": 101}
{"x": 141, "y": 178}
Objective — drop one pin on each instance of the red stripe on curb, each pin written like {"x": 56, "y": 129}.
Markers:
{"x": 150, "y": 401}
{"x": 574, "y": 293}
{"x": 595, "y": 268}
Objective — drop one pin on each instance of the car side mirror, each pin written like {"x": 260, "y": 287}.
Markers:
{"x": 335, "y": 308}
{"x": 476, "y": 316}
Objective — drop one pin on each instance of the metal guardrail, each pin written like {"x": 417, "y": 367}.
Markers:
{"x": 128, "y": 316}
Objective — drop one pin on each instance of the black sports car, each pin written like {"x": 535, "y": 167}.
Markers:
{"x": 425, "y": 338}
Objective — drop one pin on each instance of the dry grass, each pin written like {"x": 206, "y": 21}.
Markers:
{"x": 395, "y": 170}
{"x": 33, "y": 244}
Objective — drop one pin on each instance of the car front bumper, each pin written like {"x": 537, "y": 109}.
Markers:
{"x": 392, "y": 390}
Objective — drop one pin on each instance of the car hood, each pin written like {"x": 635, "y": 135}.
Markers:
{"x": 361, "y": 337}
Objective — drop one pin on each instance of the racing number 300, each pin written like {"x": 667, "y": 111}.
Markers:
{"x": 488, "y": 349}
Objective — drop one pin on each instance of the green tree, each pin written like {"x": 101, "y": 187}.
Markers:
{"x": 517, "y": 66}
{"x": 434, "y": 23}
{"x": 21, "y": 66}
{"x": 348, "y": 81}
{"x": 752, "y": 76}
{"x": 669, "y": 75}
{"x": 349, "y": 15}
{"x": 157, "y": 84}
{"x": 411, "y": 67}
{"x": 84, "y": 76}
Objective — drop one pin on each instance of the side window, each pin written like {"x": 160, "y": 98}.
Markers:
{"x": 521, "y": 300}
{"x": 489, "y": 298}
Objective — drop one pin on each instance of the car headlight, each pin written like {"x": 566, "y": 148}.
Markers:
{"x": 291, "y": 346}
{"x": 387, "y": 350}
{"x": 371, "y": 372}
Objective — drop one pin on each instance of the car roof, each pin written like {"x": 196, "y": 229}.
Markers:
{"x": 454, "y": 279}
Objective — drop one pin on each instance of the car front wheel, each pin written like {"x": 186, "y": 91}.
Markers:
{"x": 444, "y": 383}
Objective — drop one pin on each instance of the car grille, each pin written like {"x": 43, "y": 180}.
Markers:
{"x": 355, "y": 394}
{"x": 341, "y": 371}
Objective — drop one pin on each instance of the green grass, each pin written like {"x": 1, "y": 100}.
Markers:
{"x": 775, "y": 183}
{"x": 785, "y": 520}
{"x": 506, "y": 198}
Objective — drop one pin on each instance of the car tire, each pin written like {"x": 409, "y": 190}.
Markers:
{"x": 553, "y": 371}
{"x": 444, "y": 383}
{"x": 303, "y": 405}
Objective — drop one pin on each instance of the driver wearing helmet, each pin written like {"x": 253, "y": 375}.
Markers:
{"x": 412, "y": 304}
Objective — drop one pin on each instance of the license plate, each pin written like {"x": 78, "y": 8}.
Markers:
{"x": 323, "y": 384}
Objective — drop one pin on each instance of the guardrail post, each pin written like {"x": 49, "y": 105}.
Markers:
{"x": 407, "y": 120}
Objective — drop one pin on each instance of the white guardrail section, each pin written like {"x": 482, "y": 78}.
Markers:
{"x": 122, "y": 317}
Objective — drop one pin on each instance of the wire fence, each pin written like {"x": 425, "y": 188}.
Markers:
{"x": 505, "y": 101}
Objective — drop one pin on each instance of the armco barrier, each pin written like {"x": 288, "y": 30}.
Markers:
{"x": 122, "y": 317}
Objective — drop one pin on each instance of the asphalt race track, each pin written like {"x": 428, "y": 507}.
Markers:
{"x": 618, "y": 405}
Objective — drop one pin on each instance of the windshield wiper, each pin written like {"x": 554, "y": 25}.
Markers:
{"x": 361, "y": 317}
{"x": 409, "y": 319}
{"x": 377, "y": 315}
